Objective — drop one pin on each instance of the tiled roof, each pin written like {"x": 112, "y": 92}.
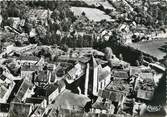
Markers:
{"x": 50, "y": 88}
{"x": 29, "y": 68}
{"x": 118, "y": 85}
{"x": 42, "y": 77}
{"x": 147, "y": 75}
{"x": 121, "y": 74}
{"x": 69, "y": 100}
{"x": 101, "y": 105}
{"x": 30, "y": 58}
{"x": 61, "y": 83}
{"x": 103, "y": 73}
{"x": 19, "y": 109}
{"x": 22, "y": 90}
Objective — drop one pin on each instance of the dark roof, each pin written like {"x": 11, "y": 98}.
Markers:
{"x": 50, "y": 88}
{"x": 2, "y": 77}
{"x": 53, "y": 76}
{"x": 34, "y": 100}
{"x": 4, "y": 107}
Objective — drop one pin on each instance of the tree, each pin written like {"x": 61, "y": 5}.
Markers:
{"x": 64, "y": 47}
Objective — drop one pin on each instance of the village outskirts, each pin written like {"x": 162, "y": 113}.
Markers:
{"x": 104, "y": 58}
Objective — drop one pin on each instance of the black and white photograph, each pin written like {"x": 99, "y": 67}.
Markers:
{"x": 83, "y": 58}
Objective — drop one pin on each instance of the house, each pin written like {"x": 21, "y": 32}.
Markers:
{"x": 4, "y": 109}
{"x": 52, "y": 91}
{"x": 24, "y": 91}
{"x": 19, "y": 109}
{"x": 39, "y": 112}
{"x": 37, "y": 101}
{"x": 6, "y": 88}
{"x": 70, "y": 101}
{"x": 27, "y": 59}
{"x": 41, "y": 79}
{"x": 28, "y": 70}
{"x": 115, "y": 91}
{"x": 120, "y": 74}
{"x": 38, "y": 15}
{"x": 102, "y": 107}
{"x": 145, "y": 86}
{"x": 76, "y": 72}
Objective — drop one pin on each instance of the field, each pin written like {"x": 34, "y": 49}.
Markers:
{"x": 151, "y": 47}
{"x": 91, "y": 13}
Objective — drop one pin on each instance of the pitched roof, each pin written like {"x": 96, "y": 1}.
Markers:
{"x": 42, "y": 77}
{"x": 147, "y": 75}
{"x": 93, "y": 62}
{"x": 121, "y": 74}
{"x": 2, "y": 77}
{"x": 68, "y": 100}
{"x": 34, "y": 100}
{"x": 118, "y": 85}
{"x": 101, "y": 105}
{"x": 103, "y": 73}
{"x": 30, "y": 58}
{"x": 22, "y": 90}
{"x": 29, "y": 68}
{"x": 50, "y": 88}
{"x": 20, "y": 109}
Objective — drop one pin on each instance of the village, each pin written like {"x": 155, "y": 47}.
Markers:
{"x": 83, "y": 59}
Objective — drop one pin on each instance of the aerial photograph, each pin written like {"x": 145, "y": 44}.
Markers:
{"x": 83, "y": 58}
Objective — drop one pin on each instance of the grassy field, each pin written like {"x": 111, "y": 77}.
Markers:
{"x": 151, "y": 47}
{"x": 92, "y": 13}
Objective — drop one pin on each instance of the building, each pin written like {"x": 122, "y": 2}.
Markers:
{"x": 24, "y": 91}
{"x": 52, "y": 91}
{"x": 23, "y": 59}
{"x": 4, "y": 109}
{"x": 6, "y": 88}
{"x": 91, "y": 78}
{"x": 19, "y": 109}
{"x": 76, "y": 72}
{"x": 145, "y": 86}
{"x": 41, "y": 79}
{"x": 37, "y": 101}
{"x": 28, "y": 70}
{"x": 120, "y": 74}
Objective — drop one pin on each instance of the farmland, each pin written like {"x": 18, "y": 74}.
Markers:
{"x": 91, "y": 13}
